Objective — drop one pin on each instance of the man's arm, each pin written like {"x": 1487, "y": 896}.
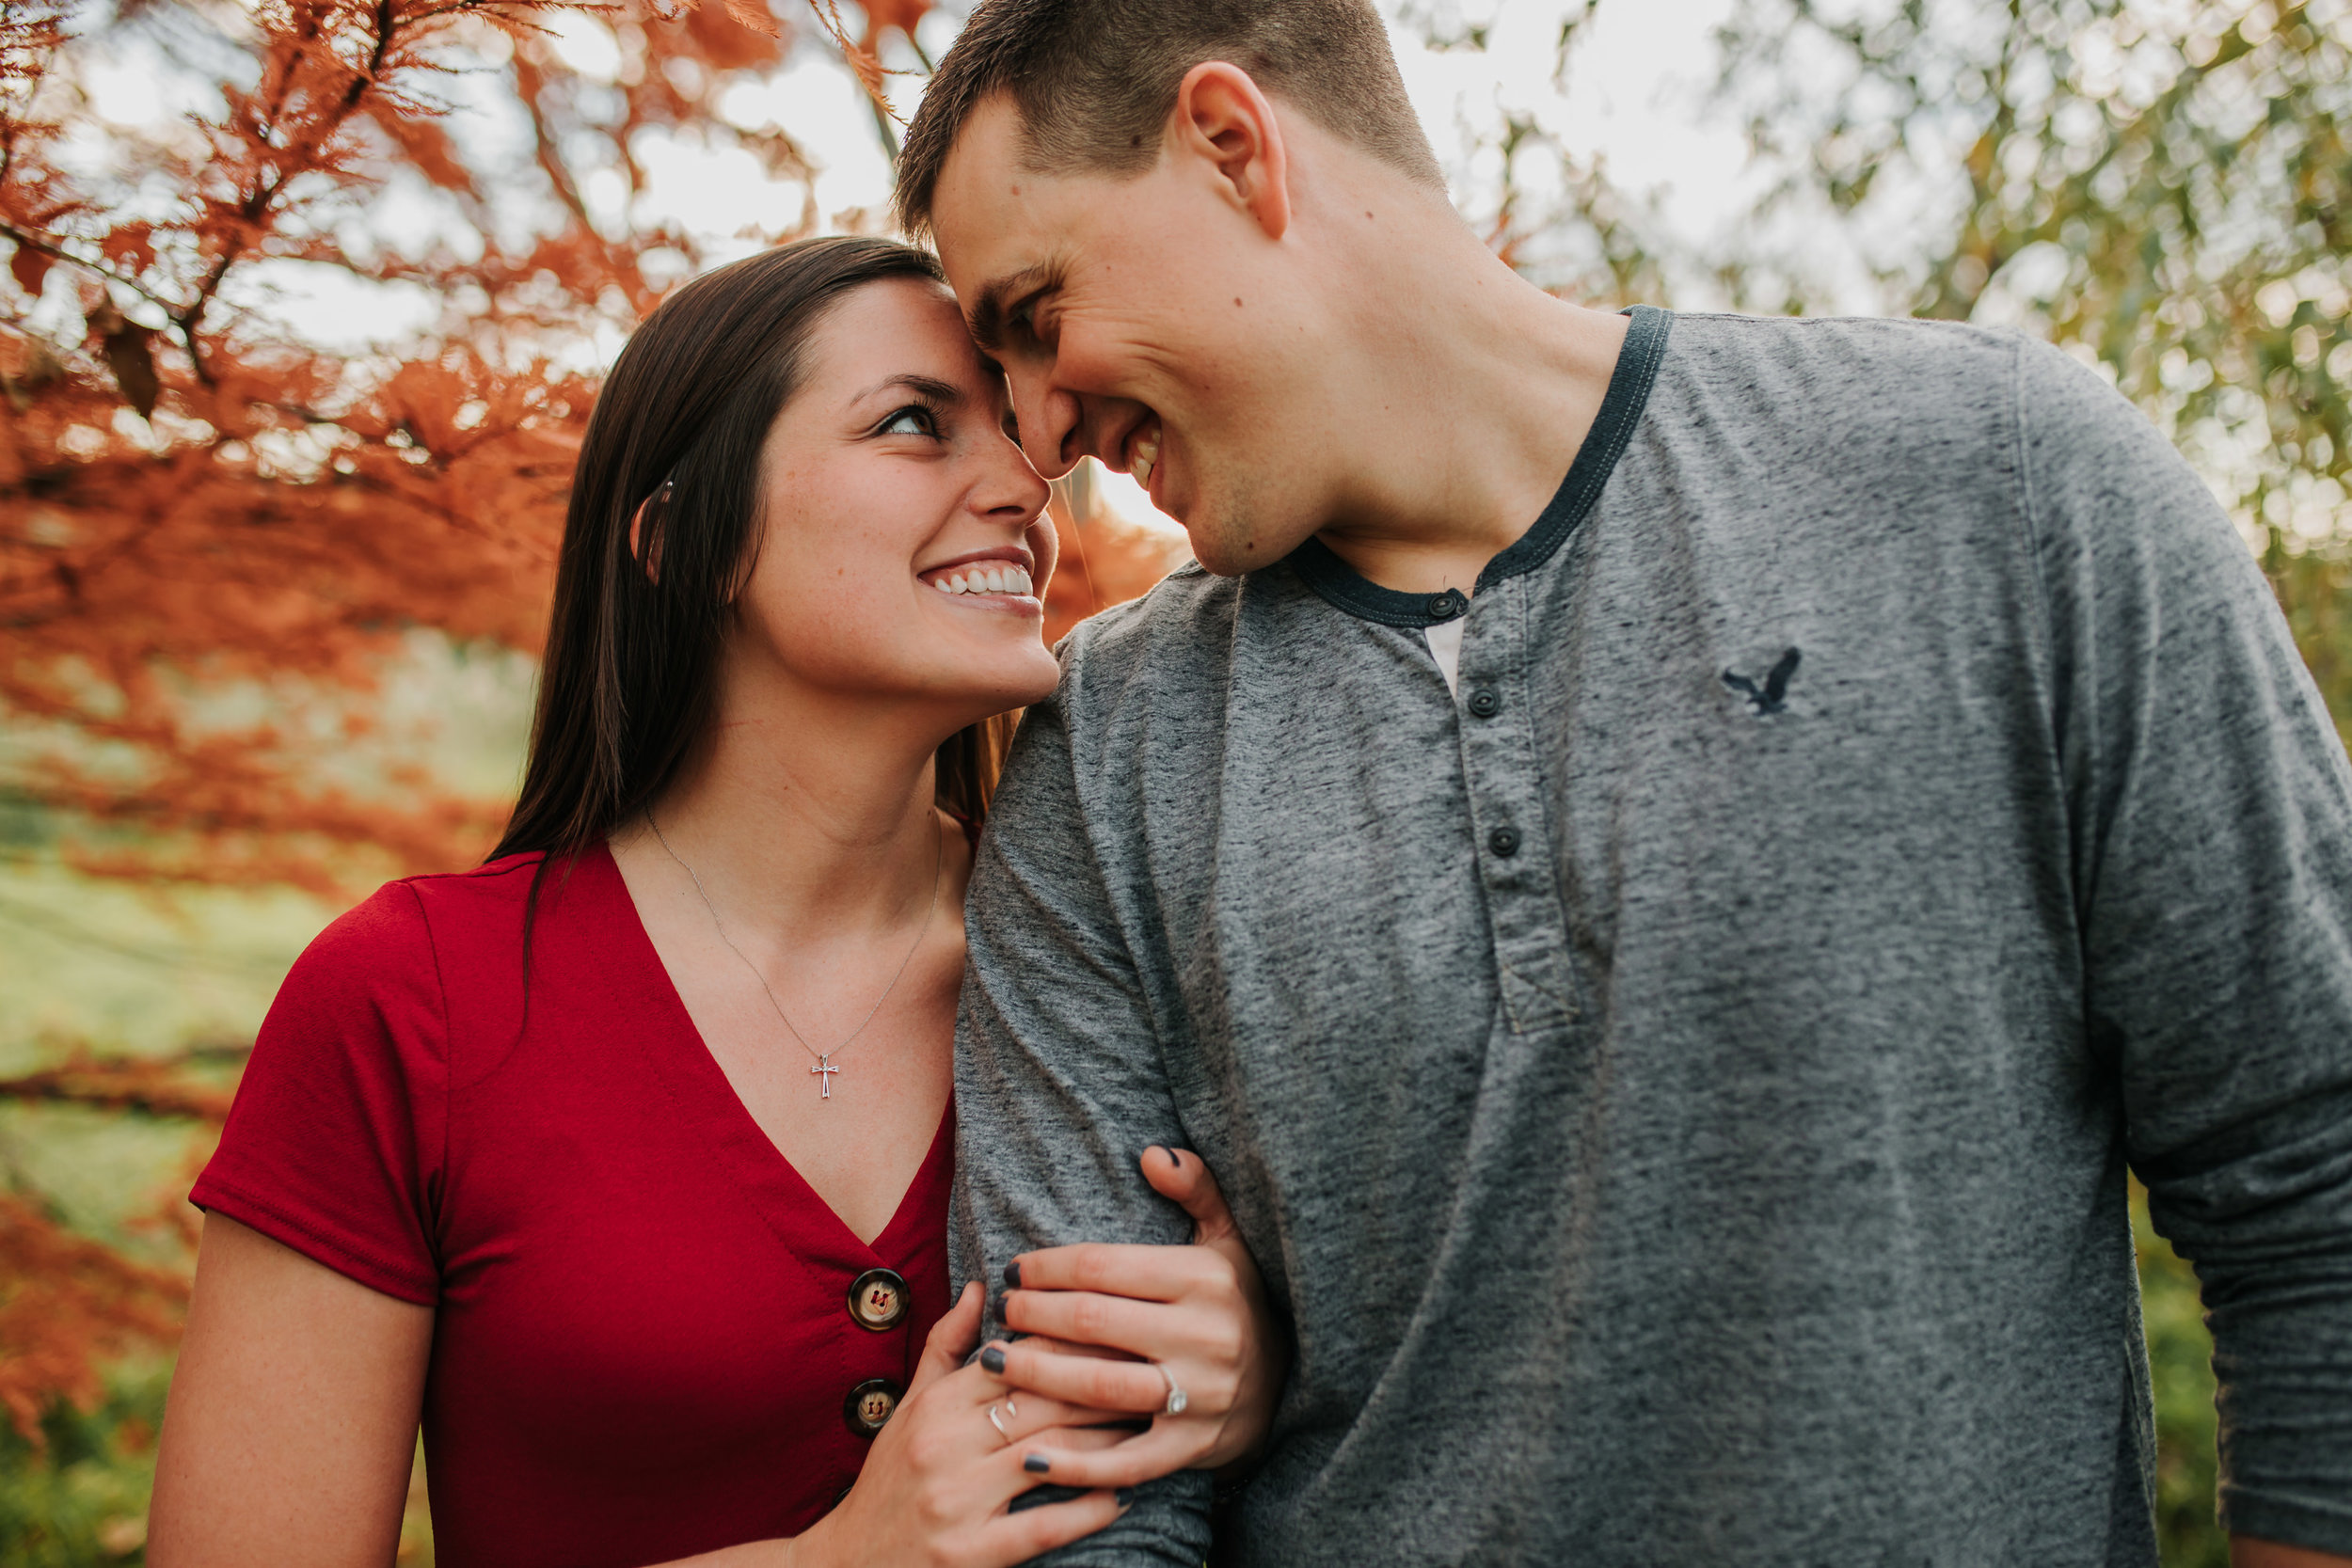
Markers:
{"x": 2212, "y": 858}
{"x": 1060, "y": 1084}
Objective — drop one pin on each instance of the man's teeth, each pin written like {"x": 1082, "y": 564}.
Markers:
{"x": 989, "y": 580}
{"x": 1147, "y": 457}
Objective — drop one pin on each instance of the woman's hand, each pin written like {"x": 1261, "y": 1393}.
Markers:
{"x": 936, "y": 1483}
{"x": 1198, "y": 1311}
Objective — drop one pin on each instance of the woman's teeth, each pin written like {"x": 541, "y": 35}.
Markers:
{"x": 1147, "y": 457}
{"x": 990, "y": 579}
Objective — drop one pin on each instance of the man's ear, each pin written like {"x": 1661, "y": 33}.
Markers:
{"x": 1223, "y": 118}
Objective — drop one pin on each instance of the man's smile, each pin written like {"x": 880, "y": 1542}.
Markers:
{"x": 1143, "y": 452}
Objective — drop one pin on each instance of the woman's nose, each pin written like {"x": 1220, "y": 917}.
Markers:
{"x": 1013, "y": 490}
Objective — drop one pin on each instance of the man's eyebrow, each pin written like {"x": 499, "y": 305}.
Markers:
{"x": 930, "y": 387}
{"x": 987, "y": 318}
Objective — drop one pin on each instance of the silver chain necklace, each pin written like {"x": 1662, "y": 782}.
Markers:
{"x": 824, "y": 1069}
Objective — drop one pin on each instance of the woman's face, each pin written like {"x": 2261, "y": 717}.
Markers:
{"x": 904, "y": 548}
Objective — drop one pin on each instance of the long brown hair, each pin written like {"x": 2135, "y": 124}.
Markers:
{"x": 662, "y": 526}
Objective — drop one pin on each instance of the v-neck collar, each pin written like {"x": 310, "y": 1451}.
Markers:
{"x": 1321, "y": 567}
{"x": 680, "y": 1060}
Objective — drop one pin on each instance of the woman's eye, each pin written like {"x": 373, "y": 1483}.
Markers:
{"x": 908, "y": 421}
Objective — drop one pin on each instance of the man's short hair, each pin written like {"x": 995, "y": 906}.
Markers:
{"x": 1094, "y": 81}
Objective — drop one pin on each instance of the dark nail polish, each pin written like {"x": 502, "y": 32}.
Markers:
{"x": 993, "y": 1360}
{"x": 1175, "y": 1159}
{"x": 1125, "y": 1496}
{"x": 1037, "y": 1464}
{"x": 1013, "y": 1274}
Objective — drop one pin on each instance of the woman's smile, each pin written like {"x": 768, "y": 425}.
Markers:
{"x": 992, "y": 579}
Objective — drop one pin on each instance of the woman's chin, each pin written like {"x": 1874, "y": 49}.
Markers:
{"x": 1035, "y": 683}
{"x": 1002, "y": 684}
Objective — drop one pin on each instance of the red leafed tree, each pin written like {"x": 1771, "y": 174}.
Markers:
{"x": 214, "y": 535}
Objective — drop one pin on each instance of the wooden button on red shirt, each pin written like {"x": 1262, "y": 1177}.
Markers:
{"x": 643, "y": 1341}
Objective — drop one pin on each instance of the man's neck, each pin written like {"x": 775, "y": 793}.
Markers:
{"x": 1497, "y": 385}
{"x": 807, "y": 818}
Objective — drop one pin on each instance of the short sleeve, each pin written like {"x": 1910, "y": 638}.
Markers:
{"x": 334, "y": 1144}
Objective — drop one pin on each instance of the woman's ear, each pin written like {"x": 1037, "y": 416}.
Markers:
{"x": 647, "y": 552}
{"x": 1223, "y": 119}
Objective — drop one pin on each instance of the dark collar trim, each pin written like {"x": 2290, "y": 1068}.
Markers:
{"x": 1621, "y": 409}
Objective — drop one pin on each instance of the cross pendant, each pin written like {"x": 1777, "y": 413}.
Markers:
{"x": 824, "y": 1069}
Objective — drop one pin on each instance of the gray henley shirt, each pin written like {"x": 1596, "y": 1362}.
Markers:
{"x": 1679, "y": 1089}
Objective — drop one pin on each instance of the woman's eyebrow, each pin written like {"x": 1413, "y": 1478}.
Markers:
{"x": 929, "y": 387}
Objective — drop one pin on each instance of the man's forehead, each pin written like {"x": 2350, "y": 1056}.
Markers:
{"x": 985, "y": 220}
{"x": 983, "y": 168}
{"x": 991, "y": 198}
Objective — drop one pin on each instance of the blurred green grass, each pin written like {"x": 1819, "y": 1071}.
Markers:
{"x": 2180, "y": 1366}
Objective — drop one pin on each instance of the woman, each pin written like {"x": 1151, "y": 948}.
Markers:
{"x": 622, "y": 1161}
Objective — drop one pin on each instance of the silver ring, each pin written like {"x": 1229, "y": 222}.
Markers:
{"x": 996, "y": 1419}
{"x": 1176, "y": 1402}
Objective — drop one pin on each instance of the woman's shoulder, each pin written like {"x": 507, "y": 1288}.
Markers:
{"x": 398, "y": 926}
{"x": 337, "y": 1141}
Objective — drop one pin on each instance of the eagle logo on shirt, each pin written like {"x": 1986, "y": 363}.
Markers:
{"x": 1773, "y": 696}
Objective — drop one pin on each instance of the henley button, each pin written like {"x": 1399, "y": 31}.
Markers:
{"x": 1446, "y": 606}
{"x": 870, "y": 1405}
{"x": 1503, "y": 842}
{"x": 1485, "y": 703}
{"x": 878, "y": 1300}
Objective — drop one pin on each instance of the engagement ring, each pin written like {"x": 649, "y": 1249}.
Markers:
{"x": 1175, "y": 1395}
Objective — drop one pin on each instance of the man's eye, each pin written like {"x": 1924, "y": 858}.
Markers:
{"x": 910, "y": 421}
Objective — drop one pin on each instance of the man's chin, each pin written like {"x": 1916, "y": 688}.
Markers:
{"x": 1229, "y": 545}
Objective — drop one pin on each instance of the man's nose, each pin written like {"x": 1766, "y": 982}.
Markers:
{"x": 1051, "y": 422}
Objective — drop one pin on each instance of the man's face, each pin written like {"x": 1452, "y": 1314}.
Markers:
{"x": 1150, "y": 322}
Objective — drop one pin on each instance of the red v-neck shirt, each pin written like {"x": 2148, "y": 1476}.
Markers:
{"x": 642, "y": 1342}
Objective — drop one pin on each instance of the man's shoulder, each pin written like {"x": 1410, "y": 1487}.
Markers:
{"x": 1878, "y": 367}
{"x": 1895, "y": 337}
{"x": 1171, "y": 632}
{"x": 1855, "y": 364}
{"x": 1897, "y": 407}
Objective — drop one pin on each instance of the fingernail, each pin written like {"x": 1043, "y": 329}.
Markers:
{"x": 1013, "y": 1274}
{"x": 1037, "y": 1464}
{"x": 993, "y": 1359}
{"x": 1175, "y": 1159}
{"x": 1125, "y": 1496}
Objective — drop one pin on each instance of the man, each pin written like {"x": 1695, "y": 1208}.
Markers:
{"x": 1670, "y": 963}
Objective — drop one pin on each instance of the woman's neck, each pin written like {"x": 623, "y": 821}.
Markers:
{"x": 806, "y": 817}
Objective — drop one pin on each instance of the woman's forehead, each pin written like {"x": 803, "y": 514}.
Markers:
{"x": 901, "y": 326}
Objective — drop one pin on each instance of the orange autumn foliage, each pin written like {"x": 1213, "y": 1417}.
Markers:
{"x": 67, "y": 1303}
